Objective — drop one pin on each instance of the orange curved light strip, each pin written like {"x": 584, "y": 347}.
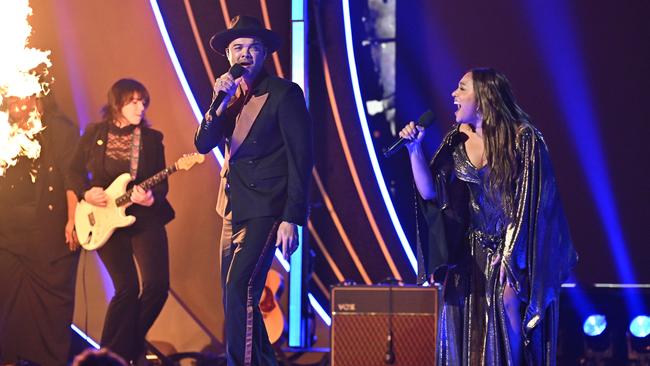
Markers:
{"x": 339, "y": 228}
{"x": 320, "y": 285}
{"x": 353, "y": 170}
{"x": 199, "y": 44}
{"x": 267, "y": 24}
{"x": 326, "y": 254}
{"x": 224, "y": 11}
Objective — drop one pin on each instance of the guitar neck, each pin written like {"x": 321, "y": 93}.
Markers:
{"x": 147, "y": 184}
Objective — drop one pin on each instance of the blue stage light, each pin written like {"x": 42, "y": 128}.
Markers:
{"x": 86, "y": 337}
{"x": 640, "y": 326}
{"x": 594, "y": 325}
{"x": 560, "y": 49}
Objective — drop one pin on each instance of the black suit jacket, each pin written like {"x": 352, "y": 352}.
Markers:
{"x": 87, "y": 170}
{"x": 45, "y": 238}
{"x": 269, "y": 173}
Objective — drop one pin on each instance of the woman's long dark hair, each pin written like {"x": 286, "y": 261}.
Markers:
{"x": 120, "y": 94}
{"x": 501, "y": 118}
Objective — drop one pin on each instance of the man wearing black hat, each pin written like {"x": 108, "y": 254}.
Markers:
{"x": 264, "y": 181}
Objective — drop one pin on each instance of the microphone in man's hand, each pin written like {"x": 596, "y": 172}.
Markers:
{"x": 235, "y": 71}
{"x": 425, "y": 121}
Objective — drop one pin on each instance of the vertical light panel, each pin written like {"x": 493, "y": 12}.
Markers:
{"x": 298, "y": 11}
{"x": 296, "y": 329}
{"x": 368, "y": 139}
{"x": 298, "y": 60}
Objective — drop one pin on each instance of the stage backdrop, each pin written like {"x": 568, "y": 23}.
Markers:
{"x": 579, "y": 69}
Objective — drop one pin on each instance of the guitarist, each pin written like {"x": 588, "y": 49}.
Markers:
{"x": 265, "y": 179}
{"x": 123, "y": 142}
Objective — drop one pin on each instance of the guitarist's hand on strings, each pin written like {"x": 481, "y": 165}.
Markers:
{"x": 142, "y": 197}
{"x": 287, "y": 238}
{"x": 96, "y": 196}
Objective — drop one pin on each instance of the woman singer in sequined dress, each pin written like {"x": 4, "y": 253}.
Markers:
{"x": 498, "y": 240}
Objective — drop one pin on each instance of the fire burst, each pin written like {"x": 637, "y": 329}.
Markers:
{"x": 22, "y": 70}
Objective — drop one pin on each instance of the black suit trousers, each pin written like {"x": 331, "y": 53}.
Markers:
{"x": 247, "y": 250}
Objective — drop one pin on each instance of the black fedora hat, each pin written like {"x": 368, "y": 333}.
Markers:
{"x": 245, "y": 26}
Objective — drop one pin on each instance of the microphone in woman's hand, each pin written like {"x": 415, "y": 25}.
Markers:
{"x": 425, "y": 121}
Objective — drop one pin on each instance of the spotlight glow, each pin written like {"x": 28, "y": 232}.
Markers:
{"x": 640, "y": 326}
{"x": 594, "y": 325}
{"x": 560, "y": 50}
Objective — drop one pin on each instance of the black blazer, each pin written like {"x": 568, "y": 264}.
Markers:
{"x": 87, "y": 170}
{"x": 269, "y": 174}
{"x": 58, "y": 142}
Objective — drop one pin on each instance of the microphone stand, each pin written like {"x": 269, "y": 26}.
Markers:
{"x": 389, "y": 356}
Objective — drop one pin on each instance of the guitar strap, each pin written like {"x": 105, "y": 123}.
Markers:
{"x": 136, "y": 139}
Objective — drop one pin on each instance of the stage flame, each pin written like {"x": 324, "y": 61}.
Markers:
{"x": 22, "y": 73}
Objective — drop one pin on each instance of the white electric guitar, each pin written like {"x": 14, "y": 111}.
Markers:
{"x": 95, "y": 225}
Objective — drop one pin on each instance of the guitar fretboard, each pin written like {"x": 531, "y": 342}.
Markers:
{"x": 148, "y": 183}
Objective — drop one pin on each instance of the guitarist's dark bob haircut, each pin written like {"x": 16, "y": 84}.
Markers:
{"x": 120, "y": 94}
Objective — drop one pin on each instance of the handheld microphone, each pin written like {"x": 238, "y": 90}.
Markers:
{"x": 235, "y": 71}
{"x": 425, "y": 121}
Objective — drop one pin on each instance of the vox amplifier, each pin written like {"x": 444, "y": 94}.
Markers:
{"x": 384, "y": 325}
